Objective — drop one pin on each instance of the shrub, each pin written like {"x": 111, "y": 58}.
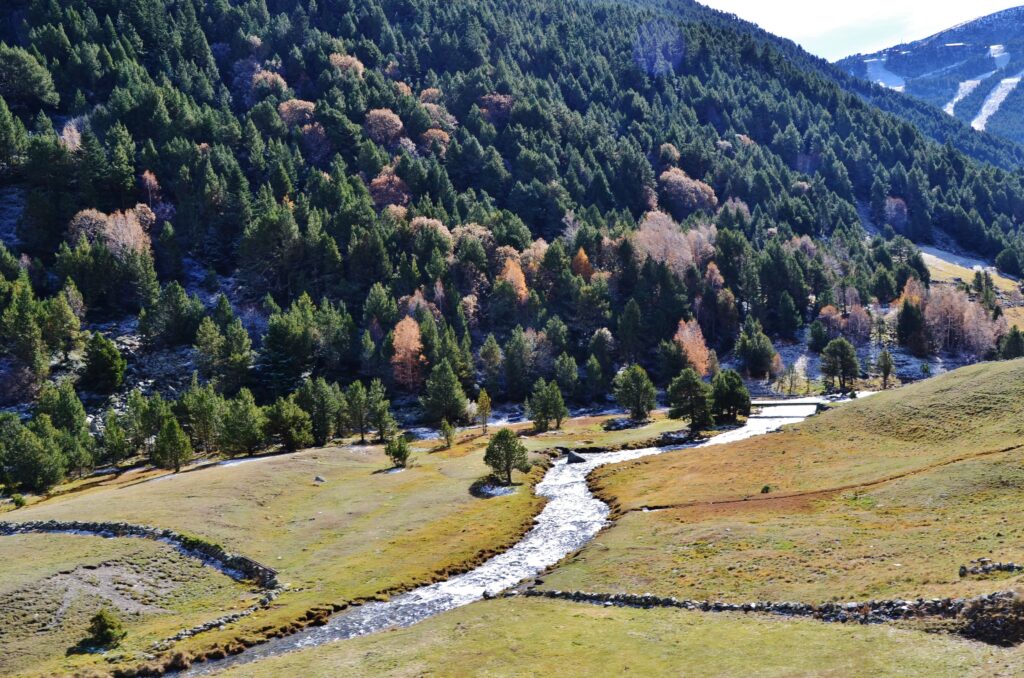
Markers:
{"x": 19, "y": 500}
{"x": 398, "y": 451}
{"x": 104, "y": 365}
{"x": 105, "y": 629}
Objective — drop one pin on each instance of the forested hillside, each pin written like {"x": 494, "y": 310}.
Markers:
{"x": 439, "y": 197}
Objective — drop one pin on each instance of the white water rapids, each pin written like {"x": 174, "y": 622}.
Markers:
{"x": 571, "y": 518}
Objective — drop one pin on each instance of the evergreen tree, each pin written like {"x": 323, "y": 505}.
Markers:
{"x": 635, "y": 392}
{"x": 483, "y": 409}
{"x": 690, "y": 397}
{"x": 447, "y": 434}
{"x": 729, "y": 396}
{"x": 567, "y": 374}
{"x": 104, "y": 365}
{"x": 172, "y": 449}
{"x": 379, "y": 408}
{"x": 289, "y": 423}
{"x": 839, "y": 361}
{"x": 114, "y": 442}
{"x": 545, "y": 405}
{"x": 1012, "y": 345}
{"x": 358, "y": 409}
{"x": 631, "y": 331}
{"x": 755, "y": 348}
{"x": 443, "y": 397}
{"x": 491, "y": 361}
{"x": 202, "y": 412}
{"x": 243, "y": 426}
{"x": 505, "y": 454}
{"x": 885, "y": 366}
{"x": 518, "y": 369}
{"x": 398, "y": 451}
{"x": 322, "y": 404}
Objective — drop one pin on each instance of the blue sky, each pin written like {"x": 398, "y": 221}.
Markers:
{"x": 837, "y": 28}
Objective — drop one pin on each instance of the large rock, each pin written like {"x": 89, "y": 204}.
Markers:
{"x": 573, "y": 458}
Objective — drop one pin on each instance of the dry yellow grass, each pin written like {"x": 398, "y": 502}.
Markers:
{"x": 52, "y": 584}
{"x": 945, "y": 271}
{"x": 1015, "y": 316}
{"x": 885, "y": 497}
{"x": 535, "y": 637}
{"x": 360, "y": 533}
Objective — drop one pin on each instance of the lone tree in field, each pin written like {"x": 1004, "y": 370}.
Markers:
{"x": 398, "y": 451}
{"x": 635, "y": 392}
{"x": 839, "y": 361}
{"x": 447, "y": 434}
{"x": 505, "y": 453}
{"x": 483, "y": 409}
{"x": 690, "y": 397}
{"x": 729, "y": 396}
{"x": 105, "y": 629}
{"x": 885, "y": 366}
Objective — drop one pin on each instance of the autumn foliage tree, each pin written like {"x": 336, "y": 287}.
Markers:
{"x": 513, "y": 275}
{"x": 383, "y": 125}
{"x": 682, "y": 195}
{"x": 407, "y": 360}
{"x": 690, "y": 340}
{"x": 581, "y": 265}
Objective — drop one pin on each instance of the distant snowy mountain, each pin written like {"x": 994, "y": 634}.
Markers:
{"x": 972, "y": 71}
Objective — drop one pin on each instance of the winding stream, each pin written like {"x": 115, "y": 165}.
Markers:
{"x": 570, "y": 519}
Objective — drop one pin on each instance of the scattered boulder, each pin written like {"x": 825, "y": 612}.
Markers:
{"x": 573, "y": 458}
{"x": 319, "y": 479}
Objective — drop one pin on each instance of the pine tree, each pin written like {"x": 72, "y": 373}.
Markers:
{"x": 202, "y": 414}
{"x": 358, "y": 409}
{"x": 885, "y": 366}
{"x": 483, "y": 409}
{"x": 505, "y": 454}
{"x": 447, "y": 434}
{"x": 398, "y": 451}
{"x": 839, "y": 361}
{"x": 172, "y": 449}
{"x": 321, "y": 403}
{"x": 635, "y": 392}
{"x": 114, "y": 441}
{"x": 689, "y": 397}
{"x": 290, "y": 423}
{"x": 104, "y": 365}
{"x": 244, "y": 424}
{"x": 491, "y": 360}
{"x": 1012, "y": 345}
{"x": 631, "y": 331}
{"x": 380, "y": 410}
{"x": 443, "y": 396}
{"x": 567, "y": 374}
{"x": 729, "y": 396}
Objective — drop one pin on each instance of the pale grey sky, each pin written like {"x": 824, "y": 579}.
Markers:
{"x": 837, "y": 28}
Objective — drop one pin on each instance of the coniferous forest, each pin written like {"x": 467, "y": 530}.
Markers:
{"x": 337, "y": 213}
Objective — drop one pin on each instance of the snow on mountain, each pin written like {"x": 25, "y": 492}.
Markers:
{"x": 954, "y": 70}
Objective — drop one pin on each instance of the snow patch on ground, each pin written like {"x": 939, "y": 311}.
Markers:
{"x": 994, "y": 100}
{"x": 965, "y": 90}
{"x": 496, "y": 490}
{"x": 878, "y": 73}
{"x": 1000, "y": 55}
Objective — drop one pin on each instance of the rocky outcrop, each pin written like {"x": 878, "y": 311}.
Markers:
{"x": 236, "y": 566}
{"x": 984, "y": 566}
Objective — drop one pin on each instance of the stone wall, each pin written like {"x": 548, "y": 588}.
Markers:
{"x": 235, "y": 566}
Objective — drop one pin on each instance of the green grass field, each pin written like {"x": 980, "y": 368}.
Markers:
{"x": 536, "y": 637}
{"x": 884, "y": 497}
{"x": 53, "y": 584}
{"x": 359, "y": 534}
